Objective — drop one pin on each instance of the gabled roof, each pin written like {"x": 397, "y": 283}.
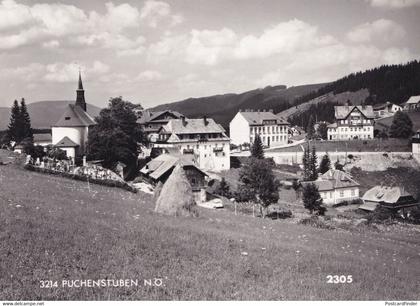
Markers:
{"x": 193, "y": 126}
{"x": 157, "y": 167}
{"x": 385, "y": 194}
{"x": 413, "y": 100}
{"x": 334, "y": 179}
{"x": 74, "y": 115}
{"x": 66, "y": 143}
{"x": 257, "y": 118}
{"x": 343, "y": 111}
{"x": 148, "y": 116}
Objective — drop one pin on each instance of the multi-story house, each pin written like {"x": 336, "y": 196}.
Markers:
{"x": 272, "y": 130}
{"x": 151, "y": 121}
{"x": 352, "y": 122}
{"x": 336, "y": 186}
{"x": 203, "y": 138}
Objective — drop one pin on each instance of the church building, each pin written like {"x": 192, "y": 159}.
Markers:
{"x": 70, "y": 133}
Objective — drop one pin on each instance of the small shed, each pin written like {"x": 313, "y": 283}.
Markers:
{"x": 160, "y": 168}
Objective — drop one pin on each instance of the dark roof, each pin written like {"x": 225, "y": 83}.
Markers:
{"x": 385, "y": 194}
{"x": 74, "y": 115}
{"x": 66, "y": 143}
{"x": 342, "y": 112}
{"x": 257, "y": 118}
{"x": 42, "y": 137}
{"x": 148, "y": 116}
{"x": 157, "y": 167}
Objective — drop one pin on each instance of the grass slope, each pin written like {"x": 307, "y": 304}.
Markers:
{"x": 53, "y": 228}
{"x": 44, "y": 113}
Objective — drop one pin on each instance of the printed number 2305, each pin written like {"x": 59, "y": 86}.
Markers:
{"x": 339, "y": 279}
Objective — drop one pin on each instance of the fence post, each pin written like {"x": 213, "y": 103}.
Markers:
{"x": 253, "y": 210}
{"x": 235, "y": 208}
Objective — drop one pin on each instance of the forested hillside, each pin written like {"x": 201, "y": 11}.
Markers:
{"x": 394, "y": 83}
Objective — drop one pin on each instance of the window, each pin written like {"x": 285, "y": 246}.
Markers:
{"x": 353, "y": 192}
{"x": 67, "y": 118}
{"x": 341, "y": 193}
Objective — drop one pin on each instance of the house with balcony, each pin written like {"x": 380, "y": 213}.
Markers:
{"x": 272, "y": 129}
{"x": 150, "y": 122}
{"x": 352, "y": 122}
{"x": 204, "y": 139}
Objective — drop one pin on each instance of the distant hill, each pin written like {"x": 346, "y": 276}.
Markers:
{"x": 223, "y": 108}
{"x": 44, "y": 113}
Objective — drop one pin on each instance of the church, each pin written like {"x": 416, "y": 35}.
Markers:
{"x": 70, "y": 133}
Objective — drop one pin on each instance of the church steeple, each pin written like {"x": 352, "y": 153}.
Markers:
{"x": 80, "y": 98}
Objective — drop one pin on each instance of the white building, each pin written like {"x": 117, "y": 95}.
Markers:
{"x": 70, "y": 133}
{"x": 352, "y": 122}
{"x": 203, "y": 138}
{"x": 272, "y": 130}
{"x": 386, "y": 109}
{"x": 336, "y": 186}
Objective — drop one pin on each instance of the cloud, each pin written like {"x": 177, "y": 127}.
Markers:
{"x": 57, "y": 72}
{"x": 50, "y": 25}
{"x": 156, "y": 12}
{"x": 394, "y": 4}
{"x": 381, "y": 29}
{"x": 285, "y": 37}
{"x": 149, "y": 75}
{"x": 209, "y": 47}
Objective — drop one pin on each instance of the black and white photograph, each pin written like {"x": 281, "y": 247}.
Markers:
{"x": 209, "y": 150}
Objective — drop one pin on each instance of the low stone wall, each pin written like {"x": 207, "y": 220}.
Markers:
{"x": 85, "y": 178}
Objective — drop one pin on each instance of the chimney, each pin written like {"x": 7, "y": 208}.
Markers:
{"x": 184, "y": 122}
{"x": 206, "y": 122}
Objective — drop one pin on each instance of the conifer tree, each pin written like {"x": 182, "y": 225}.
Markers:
{"x": 312, "y": 199}
{"x": 325, "y": 164}
{"x": 306, "y": 164}
{"x": 27, "y": 132}
{"x": 310, "y": 130}
{"x": 257, "y": 150}
{"x": 402, "y": 126}
{"x": 15, "y": 126}
{"x": 313, "y": 165}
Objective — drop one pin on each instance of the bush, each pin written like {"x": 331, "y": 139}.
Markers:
{"x": 350, "y": 156}
{"x": 315, "y": 221}
{"x": 382, "y": 215}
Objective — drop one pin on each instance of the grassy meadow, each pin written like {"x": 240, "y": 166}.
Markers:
{"x": 53, "y": 228}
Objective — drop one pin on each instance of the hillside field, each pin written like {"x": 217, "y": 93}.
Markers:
{"x": 52, "y": 228}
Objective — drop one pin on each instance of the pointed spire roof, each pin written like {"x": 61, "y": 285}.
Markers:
{"x": 80, "y": 86}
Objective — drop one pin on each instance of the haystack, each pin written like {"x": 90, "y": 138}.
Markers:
{"x": 176, "y": 197}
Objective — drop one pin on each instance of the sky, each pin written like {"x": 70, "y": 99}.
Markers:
{"x": 153, "y": 52}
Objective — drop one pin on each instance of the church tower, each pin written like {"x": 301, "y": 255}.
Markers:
{"x": 80, "y": 98}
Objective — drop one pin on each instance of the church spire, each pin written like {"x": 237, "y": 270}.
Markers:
{"x": 80, "y": 98}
